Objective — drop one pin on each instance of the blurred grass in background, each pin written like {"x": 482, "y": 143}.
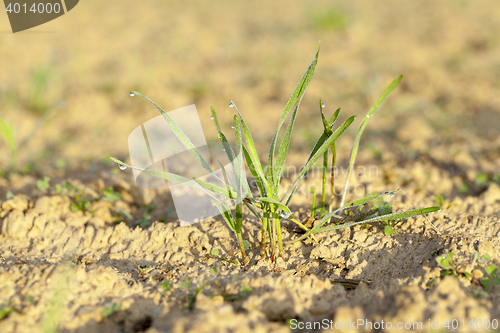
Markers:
{"x": 210, "y": 52}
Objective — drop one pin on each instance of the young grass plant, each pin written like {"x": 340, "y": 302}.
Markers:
{"x": 269, "y": 206}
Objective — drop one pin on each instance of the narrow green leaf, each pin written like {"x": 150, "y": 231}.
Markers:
{"x": 297, "y": 94}
{"x": 326, "y": 125}
{"x": 239, "y": 172}
{"x": 199, "y": 184}
{"x": 324, "y": 147}
{"x": 253, "y": 171}
{"x": 231, "y": 156}
{"x": 394, "y": 216}
{"x": 7, "y": 131}
{"x": 362, "y": 127}
{"x": 215, "y": 119}
{"x": 252, "y": 151}
{"x": 283, "y": 151}
{"x": 474, "y": 258}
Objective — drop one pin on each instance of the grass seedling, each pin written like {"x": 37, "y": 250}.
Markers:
{"x": 111, "y": 308}
{"x": 7, "y": 131}
{"x": 166, "y": 285}
{"x": 110, "y": 195}
{"x": 43, "y": 185}
{"x": 449, "y": 266}
{"x": 440, "y": 202}
{"x": 6, "y": 309}
{"x": 270, "y": 206}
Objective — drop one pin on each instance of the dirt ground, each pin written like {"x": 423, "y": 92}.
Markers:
{"x": 119, "y": 260}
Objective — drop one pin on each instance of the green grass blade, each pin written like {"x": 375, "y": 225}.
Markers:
{"x": 324, "y": 136}
{"x": 297, "y": 94}
{"x": 7, "y": 131}
{"x": 232, "y": 157}
{"x": 240, "y": 172}
{"x": 215, "y": 119}
{"x": 252, "y": 152}
{"x": 388, "y": 217}
{"x": 227, "y": 177}
{"x": 362, "y": 127}
{"x": 223, "y": 209}
{"x": 253, "y": 171}
{"x": 182, "y": 180}
{"x": 324, "y": 147}
{"x": 354, "y": 203}
{"x": 326, "y": 126}
{"x": 179, "y": 133}
{"x": 283, "y": 151}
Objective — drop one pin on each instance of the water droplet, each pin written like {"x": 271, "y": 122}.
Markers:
{"x": 232, "y": 127}
{"x": 368, "y": 116}
{"x": 212, "y": 117}
{"x": 132, "y": 94}
{"x": 439, "y": 210}
{"x": 223, "y": 149}
{"x": 322, "y": 105}
{"x": 391, "y": 195}
{"x": 122, "y": 167}
{"x": 231, "y": 104}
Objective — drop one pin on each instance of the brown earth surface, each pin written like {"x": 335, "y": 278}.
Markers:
{"x": 438, "y": 133}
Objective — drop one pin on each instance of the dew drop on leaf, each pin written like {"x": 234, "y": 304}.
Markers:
{"x": 212, "y": 117}
{"x": 322, "y": 105}
{"x": 232, "y": 127}
{"x": 391, "y": 195}
{"x": 122, "y": 167}
{"x": 231, "y": 104}
{"x": 132, "y": 94}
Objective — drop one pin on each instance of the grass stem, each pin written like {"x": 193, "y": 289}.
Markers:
{"x": 242, "y": 248}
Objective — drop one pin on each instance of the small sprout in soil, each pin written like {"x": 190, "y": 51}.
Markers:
{"x": 245, "y": 291}
{"x": 122, "y": 215}
{"x": 166, "y": 287}
{"x": 450, "y": 267}
{"x": 214, "y": 254}
{"x": 269, "y": 205}
{"x": 61, "y": 163}
{"x": 110, "y": 309}
{"x": 492, "y": 272}
{"x": 110, "y": 195}
{"x": 8, "y": 132}
{"x": 484, "y": 259}
{"x": 463, "y": 188}
{"x": 481, "y": 178}
{"x": 43, "y": 185}
{"x": 6, "y": 309}
{"x": 440, "y": 202}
